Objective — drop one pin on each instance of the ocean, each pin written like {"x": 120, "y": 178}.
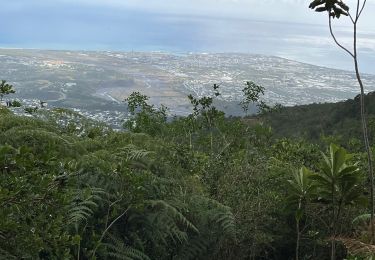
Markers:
{"x": 142, "y": 31}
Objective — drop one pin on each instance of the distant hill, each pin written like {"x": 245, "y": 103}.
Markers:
{"x": 314, "y": 120}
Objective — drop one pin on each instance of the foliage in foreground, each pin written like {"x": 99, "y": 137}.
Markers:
{"x": 65, "y": 196}
{"x": 197, "y": 187}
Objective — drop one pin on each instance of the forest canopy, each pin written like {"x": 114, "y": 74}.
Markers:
{"x": 205, "y": 186}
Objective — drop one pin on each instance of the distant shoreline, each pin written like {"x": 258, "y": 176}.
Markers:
{"x": 176, "y": 53}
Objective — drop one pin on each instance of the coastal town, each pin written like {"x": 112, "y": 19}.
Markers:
{"x": 96, "y": 84}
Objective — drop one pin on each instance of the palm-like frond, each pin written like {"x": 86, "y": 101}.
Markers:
{"x": 302, "y": 185}
{"x": 340, "y": 176}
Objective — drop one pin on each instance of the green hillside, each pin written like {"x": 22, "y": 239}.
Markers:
{"x": 314, "y": 121}
{"x": 203, "y": 186}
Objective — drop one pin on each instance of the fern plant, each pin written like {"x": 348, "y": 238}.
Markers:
{"x": 117, "y": 249}
{"x": 81, "y": 209}
{"x": 83, "y": 204}
{"x": 216, "y": 224}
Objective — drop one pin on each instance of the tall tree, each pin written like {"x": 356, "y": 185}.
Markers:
{"x": 252, "y": 93}
{"x": 5, "y": 89}
{"x": 301, "y": 187}
{"x": 335, "y": 9}
{"x": 338, "y": 185}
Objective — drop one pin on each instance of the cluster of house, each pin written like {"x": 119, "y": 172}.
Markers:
{"x": 6, "y": 103}
{"x": 25, "y": 102}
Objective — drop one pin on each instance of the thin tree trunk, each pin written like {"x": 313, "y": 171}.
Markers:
{"x": 79, "y": 250}
{"x": 190, "y": 141}
{"x": 333, "y": 249}
{"x": 298, "y": 231}
{"x": 333, "y": 224}
{"x": 212, "y": 142}
{"x": 365, "y": 133}
{"x": 354, "y": 55}
{"x": 106, "y": 230}
{"x": 298, "y": 239}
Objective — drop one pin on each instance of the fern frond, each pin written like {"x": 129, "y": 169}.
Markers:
{"x": 5, "y": 255}
{"x": 227, "y": 222}
{"x": 196, "y": 247}
{"x": 356, "y": 247}
{"x": 78, "y": 214}
{"x": 176, "y": 214}
{"x": 131, "y": 153}
{"x": 118, "y": 250}
{"x": 364, "y": 218}
{"x": 83, "y": 204}
{"x": 173, "y": 231}
{"x": 219, "y": 214}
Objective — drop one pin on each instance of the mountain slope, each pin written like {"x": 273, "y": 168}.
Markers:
{"x": 314, "y": 120}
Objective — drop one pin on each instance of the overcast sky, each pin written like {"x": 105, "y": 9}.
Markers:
{"x": 184, "y": 25}
{"x": 283, "y": 10}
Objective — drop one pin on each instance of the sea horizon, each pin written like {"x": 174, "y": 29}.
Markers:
{"x": 178, "y": 53}
{"x": 302, "y": 42}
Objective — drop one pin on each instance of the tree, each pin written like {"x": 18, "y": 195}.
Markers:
{"x": 338, "y": 185}
{"x": 335, "y": 9}
{"x": 5, "y": 89}
{"x": 145, "y": 117}
{"x": 204, "y": 106}
{"x": 301, "y": 187}
{"x": 137, "y": 101}
{"x": 252, "y": 93}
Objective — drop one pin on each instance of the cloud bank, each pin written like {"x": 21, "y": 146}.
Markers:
{"x": 271, "y": 10}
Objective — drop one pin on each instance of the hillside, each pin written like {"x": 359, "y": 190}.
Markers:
{"x": 326, "y": 119}
{"x": 199, "y": 187}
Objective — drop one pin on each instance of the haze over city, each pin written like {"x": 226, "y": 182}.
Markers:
{"x": 282, "y": 28}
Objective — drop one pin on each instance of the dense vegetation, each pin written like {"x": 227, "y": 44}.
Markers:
{"x": 199, "y": 187}
{"x": 339, "y": 120}
{"x": 203, "y": 186}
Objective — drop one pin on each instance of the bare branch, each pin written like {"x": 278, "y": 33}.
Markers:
{"x": 106, "y": 230}
{"x": 363, "y": 7}
{"x": 335, "y": 39}
{"x": 351, "y": 18}
{"x": 109, "y": 208}
{"x": 357, "y": 11}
